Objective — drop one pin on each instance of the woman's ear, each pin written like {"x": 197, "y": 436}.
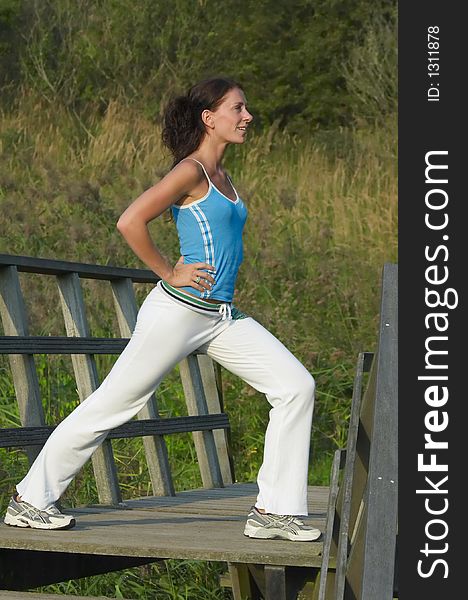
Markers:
{"x": 207, "y": 118}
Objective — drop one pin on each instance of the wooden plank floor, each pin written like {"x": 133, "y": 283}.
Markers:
{"x": 197, "y": 524}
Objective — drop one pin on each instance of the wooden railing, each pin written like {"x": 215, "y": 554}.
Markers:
{"x": 199, "y": 378}
{"x": 363, "y": 507}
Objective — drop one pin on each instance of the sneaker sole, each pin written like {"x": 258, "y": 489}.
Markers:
{"x": 16, "y": 522}
{"x": 262, "y": 533}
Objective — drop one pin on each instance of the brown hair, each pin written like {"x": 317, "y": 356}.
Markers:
{"x": 183, "y": 128}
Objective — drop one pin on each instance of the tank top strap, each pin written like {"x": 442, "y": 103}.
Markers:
{"x": 210, "y": 183}
{"x": 232, "y": 185}
{"x": 202, "y": 166}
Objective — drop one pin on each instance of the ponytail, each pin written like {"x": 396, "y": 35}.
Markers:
{"x": 183, "y": 128}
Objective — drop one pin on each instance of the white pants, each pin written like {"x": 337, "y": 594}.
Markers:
{"x": 166, "y": 332}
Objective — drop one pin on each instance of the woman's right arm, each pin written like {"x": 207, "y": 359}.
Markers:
{"x": 133, "y": 225}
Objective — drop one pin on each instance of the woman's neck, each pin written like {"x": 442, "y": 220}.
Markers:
{"x": 211, "y": 154}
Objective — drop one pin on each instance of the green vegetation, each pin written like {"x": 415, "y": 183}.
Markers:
{"x": 288, "y": 53}
{"x": 79, "y": 139}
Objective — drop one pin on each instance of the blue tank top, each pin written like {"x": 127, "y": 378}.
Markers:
{"x": 210, "y": 231}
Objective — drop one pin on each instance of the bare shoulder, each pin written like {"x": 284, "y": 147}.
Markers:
{"x": 188, "y": 173}
{"x": 192, "y": 180}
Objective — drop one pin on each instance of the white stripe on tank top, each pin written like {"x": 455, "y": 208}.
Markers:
{"x": 208, "y": 244}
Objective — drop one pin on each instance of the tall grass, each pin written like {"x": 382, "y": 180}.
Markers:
{"x": 322, "y": 221}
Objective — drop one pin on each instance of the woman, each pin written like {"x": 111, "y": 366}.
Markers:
{"x": 190, "y": 309}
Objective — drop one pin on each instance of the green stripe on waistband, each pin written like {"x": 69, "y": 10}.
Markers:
{"x": 236, "y": 314}
{"x": 192, "y": 299}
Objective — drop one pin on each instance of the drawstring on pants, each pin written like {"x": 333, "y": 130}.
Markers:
{"x": 225, "y": 311}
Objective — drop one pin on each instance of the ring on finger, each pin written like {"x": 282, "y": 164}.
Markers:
{"x": 197, "y": 279}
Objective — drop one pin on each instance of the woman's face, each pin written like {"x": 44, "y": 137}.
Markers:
{"x": 229, "y": 122}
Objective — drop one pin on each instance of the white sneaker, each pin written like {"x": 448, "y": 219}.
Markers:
{"x": 287, "y": 527}
{"x": 22, "y": 514}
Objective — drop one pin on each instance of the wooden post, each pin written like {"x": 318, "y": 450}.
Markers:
{"x": 275, "y": 582}
{"x": 241, "y": 582}
{"x": 205, "y": 445}
{"x": 211, "y": 384}
{"x": 23, "y": 368}
{"x": 348, "y": 478}
{"x": 155, "y": 446}
{"x": 87, "y": 381}
{"x": 331, "y": 526}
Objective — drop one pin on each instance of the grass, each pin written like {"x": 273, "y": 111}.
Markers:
{"x": 322, "y": 221}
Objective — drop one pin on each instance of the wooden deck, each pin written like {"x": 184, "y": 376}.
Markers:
{"x": 197, "y": 524}
{"x": 357, "y": 513}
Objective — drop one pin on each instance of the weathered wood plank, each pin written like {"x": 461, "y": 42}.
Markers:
{"x": 37, "y": 344}
{"x": 362, "y": 452}
{"x": 195, "y": 399}
{"x": 23, "y": 368}
{"x": 331, "y": 524}
{"x": 87, "y": 381}
{"x": 347, "y": 484}
{"x": 60, "y": 345}
{"x": 241, "y": 581}
{"x": 355, "y": 563}
{"x": 155, "y": 446}
{"x": 47, "y": 266}
{"x": 258, "y": 575}
{"x": 29, "y": 436}
{"x": 232, "y": 498}
{"x": 275, "y": 582}
{"x": 214, "y": 405}
{"x": 237, "y": 508}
